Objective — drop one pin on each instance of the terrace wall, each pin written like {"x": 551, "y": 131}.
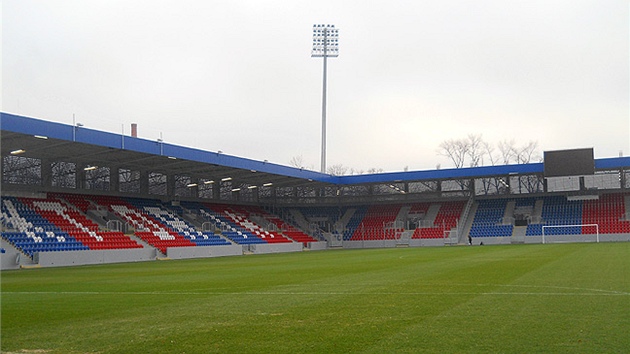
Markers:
{"x": 73, "y": 258}
{"x": 204, "y": 251}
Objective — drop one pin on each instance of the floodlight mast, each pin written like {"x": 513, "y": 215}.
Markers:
{"x": 325, "y": 44}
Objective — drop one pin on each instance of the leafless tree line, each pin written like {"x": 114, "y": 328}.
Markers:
{"x": 471, "y": 151}
{"x": 335, "y": 170}
{"x": 474, "y": 151}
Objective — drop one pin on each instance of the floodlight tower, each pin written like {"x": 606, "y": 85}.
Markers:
{"x": 325, "y": 44}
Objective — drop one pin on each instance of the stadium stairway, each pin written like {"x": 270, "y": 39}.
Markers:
{"x": 241, "y": 216}
{"x": 218, "y": 215}
{"x": 153, "y": 231}
{"x": 245, "y": 215}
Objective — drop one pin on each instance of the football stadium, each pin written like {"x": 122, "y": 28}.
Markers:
{"x": 158, "y": 193}
{"x": 114, "y": 243}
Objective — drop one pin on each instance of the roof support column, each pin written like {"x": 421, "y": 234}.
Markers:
{"x": 170, "y": 185}
{"x": 80, "y": 176}
{"x": 114, "y": 178}
{"x": 216, "y": 191}
{"x": 46, "y": 173}
{"x": 144, "y": 183}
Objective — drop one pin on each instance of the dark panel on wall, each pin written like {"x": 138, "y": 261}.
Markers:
{"x": 575, "y": 162}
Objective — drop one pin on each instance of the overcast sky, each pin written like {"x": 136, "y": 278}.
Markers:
{"x": 237, "y": 75}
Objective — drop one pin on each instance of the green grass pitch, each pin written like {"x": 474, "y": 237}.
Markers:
{"x": 557, "y": 298}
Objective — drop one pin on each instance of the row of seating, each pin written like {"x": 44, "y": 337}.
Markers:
{"x": 34, "y": 233}
{"x": 159, "y": 227}
{"x": 62, "y": 226}
{"x": 224, "y": 220}
{"x": 488, "y": 219}
{"x": 59, "y": 222}
{"x": 354, "y": 223}
{"x": 446, "y": 219}
{"x": 557, "y": 215}
{"x": 286, "y": 228}
{"x": 376, "y": 223}
{"x": 239, "y": 217}
{"x": 379, "y": 222}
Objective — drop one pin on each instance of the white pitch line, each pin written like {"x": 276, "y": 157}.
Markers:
{"x": 314, "y": 293}
{"x": 561, "y": 288}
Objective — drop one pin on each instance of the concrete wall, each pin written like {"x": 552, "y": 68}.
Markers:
{"x": 9, "y": 260}
{"x": 393, "y": 243}
{"x": 426, "y": 242}
{"x": 494, "y": 240}
{"x": 317, "y": 246}
{"x": 204, "y": 251}
{"x": 71, "y": 258}
{"x": 276, "y": 248}
{"x": 553, "y": 239}
{"x": 12, "y": 258}
{"x": 369, "y": 244}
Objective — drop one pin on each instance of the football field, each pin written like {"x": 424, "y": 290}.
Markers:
{"x": 556, "y": 298}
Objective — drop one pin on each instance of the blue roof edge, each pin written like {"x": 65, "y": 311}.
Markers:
{"x": 34, "y": 126}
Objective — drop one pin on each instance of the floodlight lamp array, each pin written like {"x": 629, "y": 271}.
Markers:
{"x": 325, "y": 41}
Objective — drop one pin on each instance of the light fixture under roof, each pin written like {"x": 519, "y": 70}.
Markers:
{"x": 208, "y": 182}
{"x": 40, "y": 137}
{"x": 268, "y": 184}
{"x": 90, "y": 168}
{"x": 252, "y": 187}
{"x": 189, "y": 185}
{"x": 17, "y": 152}
{"x": 236, "y": 189}
{"x": 397, "y": 189}
{"x": 226, "y": 179}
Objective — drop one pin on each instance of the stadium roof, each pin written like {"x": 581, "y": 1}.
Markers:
{"x": 49, "y": 140}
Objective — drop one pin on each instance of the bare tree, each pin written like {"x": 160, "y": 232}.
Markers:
{"x": 490, "y": 185}
{"x": 337, "y": 170}
{"x": 297, "y": 161}
{"x": 528, "y": 153}
{"x": 489, "y": 152}
{"x": 456, "y": 150}
{"x": 473, "y": 151}
{"x": 507, "y": 149}
{"x": 374, "y": 170}
{"x": 511, "y": 153}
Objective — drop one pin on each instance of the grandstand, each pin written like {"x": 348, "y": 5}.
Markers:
{"x": 72, "y": 195}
